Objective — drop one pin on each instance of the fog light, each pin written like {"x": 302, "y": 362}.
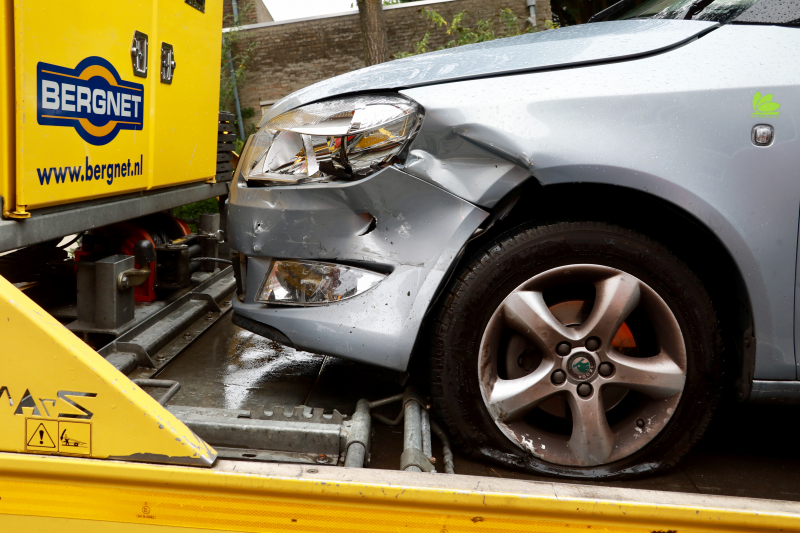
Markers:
{"x": 311, "y": 282}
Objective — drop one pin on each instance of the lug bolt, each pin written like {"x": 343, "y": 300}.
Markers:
{"x": 558, "y": 377}
{"x": 584, "y": 389}
{"x": 592, "y": 344}
{"x": 563, "y": 348}
{"x": 640, "y": 423}
{"x": 606, "y": 369}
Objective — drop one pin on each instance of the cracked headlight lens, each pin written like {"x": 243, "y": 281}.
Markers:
{"x": 345, "y": 139}
{"x": 314, "y": 282}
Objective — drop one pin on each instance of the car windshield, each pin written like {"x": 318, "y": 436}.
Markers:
{"x": 711, "y": 10}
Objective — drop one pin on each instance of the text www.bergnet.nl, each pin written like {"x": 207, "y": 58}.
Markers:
{"x": 89, "y": 172}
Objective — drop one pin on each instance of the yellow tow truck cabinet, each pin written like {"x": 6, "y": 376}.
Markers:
{"x": 110, "y": 98}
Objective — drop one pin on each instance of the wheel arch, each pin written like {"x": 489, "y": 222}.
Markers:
{"x": 689, "y": 238}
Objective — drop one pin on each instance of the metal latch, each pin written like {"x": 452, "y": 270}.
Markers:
{"x": 199, "y": 5}
{"x": 167, "y": 63}
{"x": 145, "y": 253}
{"x": 139, "y": 54}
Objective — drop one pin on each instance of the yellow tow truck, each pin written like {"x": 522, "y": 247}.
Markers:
{"x": 109, "y": 119}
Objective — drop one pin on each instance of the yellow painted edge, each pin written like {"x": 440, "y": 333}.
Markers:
{"x": 20, "y": 212}
{"x": 8, "y": 116}
{"x": 386, "y": 507}
{"x": 19, "y": 118}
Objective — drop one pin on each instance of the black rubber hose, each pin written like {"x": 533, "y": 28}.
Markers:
{"x": 215, "y": 259}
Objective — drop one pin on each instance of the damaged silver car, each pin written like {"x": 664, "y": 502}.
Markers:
{"x": 586, "y": 234}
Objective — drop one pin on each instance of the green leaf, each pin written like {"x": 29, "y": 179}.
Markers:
{"x": 756, "y": 98}
{"x": 768, "y": 107}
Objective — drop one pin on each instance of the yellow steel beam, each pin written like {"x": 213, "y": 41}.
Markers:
{"x": 304, "y": 498}
{"x": 59, "y": 397}
{"x": 8, "y": 145}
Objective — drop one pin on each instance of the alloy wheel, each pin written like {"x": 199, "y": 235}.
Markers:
{"x": 582, "y": 365}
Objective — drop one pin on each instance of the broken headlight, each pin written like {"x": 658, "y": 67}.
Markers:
{"x": 313, "y": 282}
{"x": 343, "y": 139}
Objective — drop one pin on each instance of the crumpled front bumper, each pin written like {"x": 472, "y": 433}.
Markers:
{"x": 419, "y": 231}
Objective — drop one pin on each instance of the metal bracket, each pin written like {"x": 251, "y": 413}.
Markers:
{"x": 415, "y": 457}
{"x": 300, "y": 413}
{"x": 132, "y": 278}
{"x": 167, "y": 63}
{"x": 139, "y": 54}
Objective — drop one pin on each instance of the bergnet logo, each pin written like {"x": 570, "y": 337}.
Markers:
{"x": 91, "y": 98}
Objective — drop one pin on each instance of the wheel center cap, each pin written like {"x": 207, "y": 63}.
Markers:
{"x": 581, "y": 367}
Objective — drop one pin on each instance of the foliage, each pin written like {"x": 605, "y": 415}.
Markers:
{"x": 249, "y": 127}
{"x": 571, "y": 12}
{"x": 232, "y": 53}
{"x": 191, "y": 212}
{"x": 484, "y": 30}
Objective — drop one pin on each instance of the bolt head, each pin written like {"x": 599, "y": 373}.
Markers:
{"x": 640, "y": 423}
{"x": 559, "y": 377}
{"x": 584, "y": 390}
{"x": 606, "y": 369}
{"x": 563, "y": 348}
{"x": 592, "y": 344}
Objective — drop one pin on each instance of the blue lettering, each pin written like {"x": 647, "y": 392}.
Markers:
{"x": 60, "y": 174}
{"x": 44, "y": 176}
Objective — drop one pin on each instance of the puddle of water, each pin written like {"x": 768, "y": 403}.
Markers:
{"x": 255, "y": 362}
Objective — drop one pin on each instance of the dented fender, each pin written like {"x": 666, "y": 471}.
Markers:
{"x": 419, "y": 229}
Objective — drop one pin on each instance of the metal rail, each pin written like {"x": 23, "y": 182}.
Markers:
{"x": 172, "y": 387}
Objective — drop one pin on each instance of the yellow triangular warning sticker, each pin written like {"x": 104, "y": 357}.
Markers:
{"x": 41, "y": 438}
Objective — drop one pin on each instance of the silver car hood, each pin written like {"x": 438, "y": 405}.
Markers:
{"x": 576, "y": 45}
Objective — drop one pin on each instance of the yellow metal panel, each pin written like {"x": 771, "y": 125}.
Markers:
{"x": 59, "y": 397}
{"x": 40, "y": 524}
{"x": 151, "y": 495}
{"x": 84, "y": 119}
{"x": 63, "y": 34}
{"x": 188, "y": 109}
{"x": 7, "y": 120}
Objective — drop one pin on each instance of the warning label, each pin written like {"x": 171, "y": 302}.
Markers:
{"x": 41, "y": 435}
{"x": 74, "y": 438}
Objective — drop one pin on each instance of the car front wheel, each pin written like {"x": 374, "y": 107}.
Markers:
{"x": 579, "y": 349}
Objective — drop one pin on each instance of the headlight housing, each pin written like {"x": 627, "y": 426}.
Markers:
{"x": 344, "y": 139}
{"x": 313, "y": 282}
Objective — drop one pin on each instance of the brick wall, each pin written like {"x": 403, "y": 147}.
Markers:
{"x": 290, "y": 56}
{"x": 250, "y": 12}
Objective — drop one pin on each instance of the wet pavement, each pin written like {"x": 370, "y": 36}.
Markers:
{"x": 748, "y": 450}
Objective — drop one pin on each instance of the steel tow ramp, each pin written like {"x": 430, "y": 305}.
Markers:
{"x": 71, "y": 494}
{"x": 83, "y": 448}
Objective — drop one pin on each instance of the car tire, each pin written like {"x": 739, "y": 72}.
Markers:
{"x": 590, "y": 276}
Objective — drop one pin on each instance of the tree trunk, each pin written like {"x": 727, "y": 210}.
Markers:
{"x": 373, "y": 31}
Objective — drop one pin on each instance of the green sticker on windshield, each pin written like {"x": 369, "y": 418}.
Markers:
{"x": 763, "y": 106}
